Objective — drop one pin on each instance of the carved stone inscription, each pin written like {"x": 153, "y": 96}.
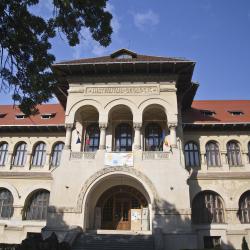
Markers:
{"x": 133, "y": 90}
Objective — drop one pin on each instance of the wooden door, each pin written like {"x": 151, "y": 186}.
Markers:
{"x": 122, "y": 214}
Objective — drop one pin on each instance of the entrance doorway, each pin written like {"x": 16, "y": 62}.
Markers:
{"x": 117, "y": 205}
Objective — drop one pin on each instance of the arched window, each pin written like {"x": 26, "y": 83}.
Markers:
{"x": 123, "y": 137}
{"x": 153, "y": 137}
{"x": 6, "y": 203}
{"x": 92, "y": 138}
{"x": 39, "y": 155}
{"x": 192, "y": 154}
{"x": 56, "y": 154}
{"x": 3, "y": 153}
{"x": 213, "y": 154}
{"x": 20, "y": 155}
{"x": 37, "y": 204}
{"x": 207, "y": 208}
{"x": 244, "y": 208}
{"x": 233, "y": 153}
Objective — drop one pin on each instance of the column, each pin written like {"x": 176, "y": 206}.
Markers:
{"x": 69, "y": 128}
{"x": 102, "y": 144}
{"x": 137, "y": 140}
{"x": 173, "y": 138}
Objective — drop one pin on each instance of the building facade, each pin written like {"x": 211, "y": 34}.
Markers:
{"x": 128, "y": 150}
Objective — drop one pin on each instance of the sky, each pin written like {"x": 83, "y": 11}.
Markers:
{"x": 213, "y": 33}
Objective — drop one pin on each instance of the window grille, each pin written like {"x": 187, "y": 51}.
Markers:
{"x": 3, "y": 153}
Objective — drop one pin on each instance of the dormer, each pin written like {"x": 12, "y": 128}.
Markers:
{"x": 123, "y": 54}
{"x": 47, "y": 116}
{"x": 21, "y": 116}
{"x": 2, "y": 115}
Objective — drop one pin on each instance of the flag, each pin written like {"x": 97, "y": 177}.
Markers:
{"x": 78, "y": 138}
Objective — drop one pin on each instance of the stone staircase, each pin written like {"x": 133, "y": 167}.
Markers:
{"x": 88, "y": 241}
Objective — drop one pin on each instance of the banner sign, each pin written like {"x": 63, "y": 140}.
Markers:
{"x": 119, "y": 159}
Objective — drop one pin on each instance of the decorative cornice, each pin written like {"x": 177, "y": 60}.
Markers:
{"x": 220, "y": 176}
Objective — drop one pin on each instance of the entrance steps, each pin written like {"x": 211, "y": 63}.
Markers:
{"x": 90, "y": 241}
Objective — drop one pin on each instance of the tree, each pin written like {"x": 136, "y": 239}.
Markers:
{"x": 25, "y": 60}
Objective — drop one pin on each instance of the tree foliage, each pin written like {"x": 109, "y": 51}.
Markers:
{"x": 25, "y": 59}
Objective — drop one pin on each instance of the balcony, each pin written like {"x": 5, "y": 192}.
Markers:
{"x": 113, "y": 159}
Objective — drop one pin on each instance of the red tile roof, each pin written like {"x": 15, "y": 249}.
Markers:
{"x": 11, "y": 112}
{"x": 114, "y": 57}
{"x": 220, "y": 108}
{"x": 193, "y": 115}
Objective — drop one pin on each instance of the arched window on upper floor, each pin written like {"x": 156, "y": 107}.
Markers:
{"x": 6, "y": 204}
{"x": 153, "y": 137}
{"x": 39, "y": 155}
{"x": 192, "y": 154}
{"x": 56, "y": 154}
{"x": 36, "y": 205}
{"x": 123, "y": 137}
{"x": 244, "y": 208}
{"x": 3, "y": 153}
{"x": 92, "y": 138}
{"x": 213, "y": 154}
{"x": 233, "y": 153}
{"x": 207, "y": 208}
{"x": 19, "y": 155}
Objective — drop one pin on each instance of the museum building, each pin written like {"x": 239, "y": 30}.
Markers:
{"x": 128, "y": 151}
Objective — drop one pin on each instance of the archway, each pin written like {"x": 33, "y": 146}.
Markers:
{"x": 118, "y": 202}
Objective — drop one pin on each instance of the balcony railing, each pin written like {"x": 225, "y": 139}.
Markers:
{"x": 155, "y": 155}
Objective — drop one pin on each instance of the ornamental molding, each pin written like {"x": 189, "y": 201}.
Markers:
{"x": 69, "y": 125}
{"x": 123, "y": 90}
{"x": 221, "y": 176}
{"x": 103, "y": 125}
{"x": 172, "y": 125}
{"x": 137, "y": 125}
{"x": 119, "y": 170}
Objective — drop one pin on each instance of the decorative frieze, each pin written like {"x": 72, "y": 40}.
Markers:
{"x": 123, "y": 90}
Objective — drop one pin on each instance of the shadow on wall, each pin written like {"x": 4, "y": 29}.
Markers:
{"x": 49, "y": 240}
{"x": 176, "y": 230}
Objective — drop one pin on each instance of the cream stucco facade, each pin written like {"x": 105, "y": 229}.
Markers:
{"x": 166, "y": 187}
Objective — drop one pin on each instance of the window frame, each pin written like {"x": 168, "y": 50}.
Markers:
{"x": 208, "y": 208}
{"x": 56, "y": 154}
{"x": 153, "y": 126}
{"x": 39, "y": 155}
{"x": 244, "y": 208}
{"x": 234, "y": 158}
{"x": 19, "y": 153}
{"x": 3, "y": 153}
{"x": 195, "y": 154}
{"x": 6, "y": 203}
{"x": 36, "y": 205}
{"x": 128, "y": 137}
{"x": 92, "y": 138}
{"x": 213, "y": 157}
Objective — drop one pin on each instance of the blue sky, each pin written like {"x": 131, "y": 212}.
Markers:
{"x": 214, "y": 33}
